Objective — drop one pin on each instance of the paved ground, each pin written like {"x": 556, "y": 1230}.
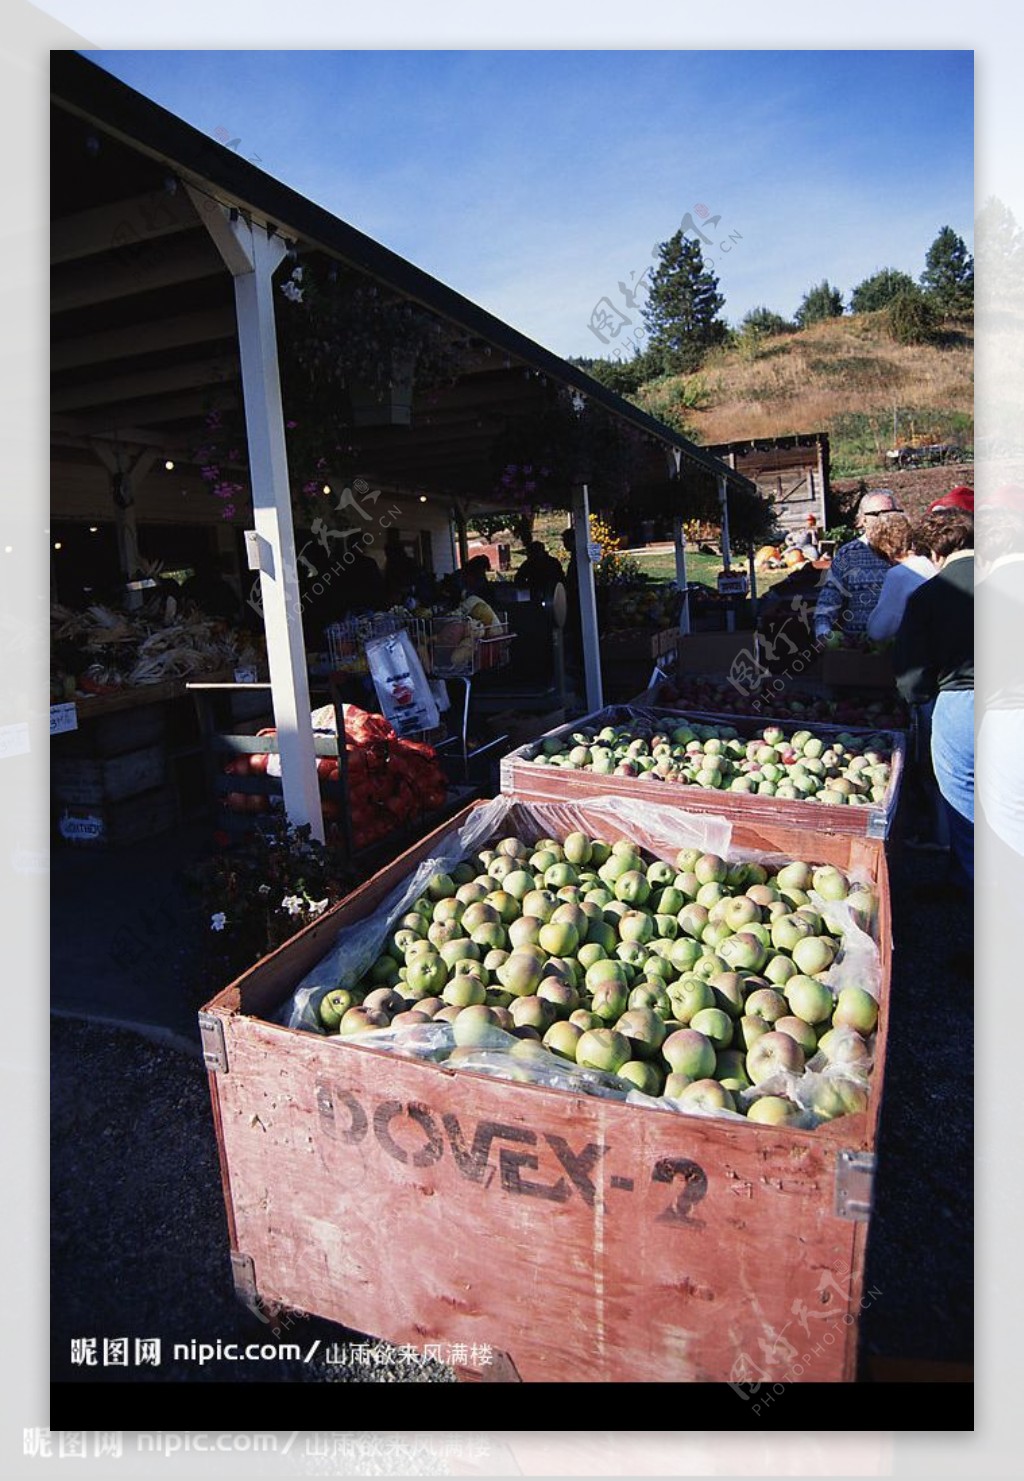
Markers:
{"x": 139, "y": 1237}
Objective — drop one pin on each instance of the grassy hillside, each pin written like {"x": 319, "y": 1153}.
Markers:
{"x": 844, "y": 377}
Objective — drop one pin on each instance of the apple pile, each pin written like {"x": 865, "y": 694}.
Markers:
{"x": 720, "y": 697}
{"x": 798, "y": 766}
{"x": 630, "y": 607}
{"x": 701, "y": 980}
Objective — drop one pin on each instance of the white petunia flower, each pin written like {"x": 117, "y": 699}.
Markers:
{"x": 293, "y": 904}
{"x": 317, "y": 907}
{"x": 218, "y": 921}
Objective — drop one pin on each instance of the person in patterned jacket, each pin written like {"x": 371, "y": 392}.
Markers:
{"x": 851, "y": 590}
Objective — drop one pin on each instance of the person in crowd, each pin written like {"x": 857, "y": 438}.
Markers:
{"x": 851, "y": 590}
{"x": 805, "y": 540}
{"x": 573, "y": 630}
{"x": 1001, "y": 726}
{"x": 402, "y": 575}
{"x": 933, "y": 657}
{"x": 540, "y": 572}
{"x": 899, "y": 543}
{"x": 474, "y": 576}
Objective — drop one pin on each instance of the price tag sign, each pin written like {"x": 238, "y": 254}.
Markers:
{"x": 14, "y": 740}
{"x": 63, "y": 718}
{"x": 85, "y": 830}
{"x": 594, "y": 551}
{"x": 246, "y": 675}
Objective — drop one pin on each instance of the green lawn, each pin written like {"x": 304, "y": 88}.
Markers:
{"x": 660, "y": 565}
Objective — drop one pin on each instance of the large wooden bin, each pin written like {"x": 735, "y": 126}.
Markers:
{"x": 552, "y": 1235}
{"x": 520, "y": 777}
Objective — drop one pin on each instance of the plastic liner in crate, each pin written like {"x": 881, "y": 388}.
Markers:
{"x": 454, "y": 646}
{"x": 347, "y": 639}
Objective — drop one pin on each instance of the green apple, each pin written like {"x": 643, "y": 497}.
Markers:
{"x": 798, "y": 1029}
{"x": 690, "y": 995}
{"x": 715, "y": 1024}
{"x": 562, "y": 1037}
{"x": 855, "y": 1009}
{"x": 689, "y": 1052}
{"x": 578, "y": 848}
{"x": 522, "y": 973}
{"x": 766, "y": 1003}
{"x": 533, "y": 1012}
{"x": 602, "y": 1049}
{"x": 773, "y": 1053}
{"x": 771, "y": 1110}
{"x": 426, "y": 974}
{"x": 440, "y": 886}
{"x": 814, "y": 955}
{"x": 751, "y": 1028}
{"x": 645, "y": 1076}
{"x": 844, "y": 1046}
{"x": 731, "y": 1069}
{"x": 830, "y": 883}
{"x": 707, "y": 1095}
{"x": 809, "y": 999}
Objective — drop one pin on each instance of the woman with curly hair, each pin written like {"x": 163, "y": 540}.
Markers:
{"x": 934, "y": 660}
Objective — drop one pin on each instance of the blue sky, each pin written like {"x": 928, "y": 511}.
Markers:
{"x": 535, "y": 181}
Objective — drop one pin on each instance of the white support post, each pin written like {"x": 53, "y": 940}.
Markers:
{"x": 723, "y": 500}
{"x": 588, "y": 600}
{"x": 679, "y": 538}
{"x": 679, "y": 541}
{"x": 252, "y": 257}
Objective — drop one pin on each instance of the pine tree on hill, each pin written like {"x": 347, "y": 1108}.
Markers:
{"x": 683, "y": 308}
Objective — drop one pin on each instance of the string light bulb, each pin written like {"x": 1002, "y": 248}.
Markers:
{"x": 169, "y": 464}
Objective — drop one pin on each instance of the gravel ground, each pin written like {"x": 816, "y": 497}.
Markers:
{"x": 140, "y": 1245}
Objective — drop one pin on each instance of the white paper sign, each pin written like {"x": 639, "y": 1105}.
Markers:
{"x": 14, "y": 740}
{"x": 63, "y": 718}
{"x": 82, "y": 828}
{"x": 594, "y": 551}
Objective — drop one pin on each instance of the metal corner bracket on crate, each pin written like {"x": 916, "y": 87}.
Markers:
{"x": 855, "y": 1176}
{"x": 211, "y": 1036}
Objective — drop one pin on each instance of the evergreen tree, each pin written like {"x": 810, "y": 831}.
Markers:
{"x": 683, "y": 307}
{"x": 880, "y": 289}
{"x": 820, "y": 302}
{"x": 763, "y": 323}
{"x": 948, "y": 277}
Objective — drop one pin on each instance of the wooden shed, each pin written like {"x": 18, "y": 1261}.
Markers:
{"x": 791, "y": 470}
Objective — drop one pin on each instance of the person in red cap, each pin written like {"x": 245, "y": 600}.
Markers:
{"x": 961, "y": 498}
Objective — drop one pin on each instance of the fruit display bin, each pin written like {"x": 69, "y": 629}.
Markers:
{"x": 561, "y": 1236}
{"x": 521, "y": 777}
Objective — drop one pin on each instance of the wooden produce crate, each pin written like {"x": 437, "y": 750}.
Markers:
{"x": 114, "y": 824}
{"x": 574, "y": 1237}
{"x": 627, "y": 656}
{"x": 713, "y": 652}
{"x": 99, "y": 780}
{"x": 846, "y": 668}
{"x": 521, "y": 778}
{"x": 110, "y": 725}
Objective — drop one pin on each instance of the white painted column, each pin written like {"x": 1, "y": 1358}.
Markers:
{"x": 588, "y": 600}
{"x": 252, "y": 258}
{"x": 679, "y": 540}
{"x": 723, "y": 501}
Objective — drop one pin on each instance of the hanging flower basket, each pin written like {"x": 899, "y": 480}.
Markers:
{"x": 388, "y": 405}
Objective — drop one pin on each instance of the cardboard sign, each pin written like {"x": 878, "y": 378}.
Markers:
{"x": 63, "y": 718}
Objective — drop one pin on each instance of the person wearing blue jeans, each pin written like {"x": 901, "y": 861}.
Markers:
{"x": 933, "y": 656}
